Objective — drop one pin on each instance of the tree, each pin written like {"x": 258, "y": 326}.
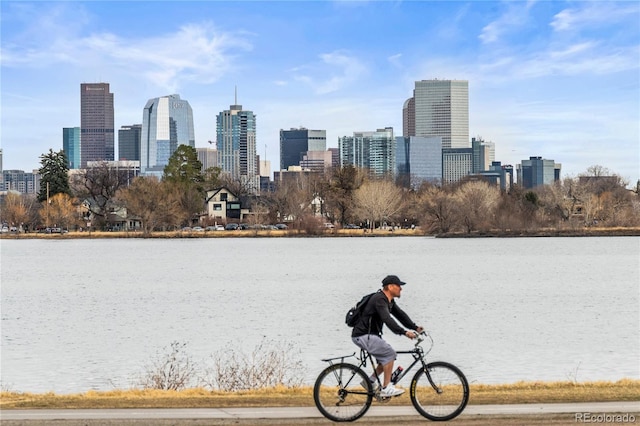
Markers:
{"x": 184, "y": 168}
{"x": 16, "y": 209}
{"x": 340, "y": 192}
{"x": 99, "y": 185}
{"x": 54, "y": 175}
{"x": 185, "y": 180}
{"x": 378, "y": 200}
{"x": 60, "y": 212}
{"x": 149, "y": 199}
{"x": 477, "y": 201}
{"x": 439, "y": 209}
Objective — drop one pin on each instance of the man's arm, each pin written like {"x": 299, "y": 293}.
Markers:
{"x": 382, "y": 309}
{"x": 404, "y": 318}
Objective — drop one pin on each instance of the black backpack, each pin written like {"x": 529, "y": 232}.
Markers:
{"x": 355, "y": 313}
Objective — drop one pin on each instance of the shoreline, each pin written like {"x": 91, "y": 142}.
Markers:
{"x": 346, "y": 233}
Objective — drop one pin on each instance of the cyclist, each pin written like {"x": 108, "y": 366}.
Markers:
{"x": 367, "y": 333}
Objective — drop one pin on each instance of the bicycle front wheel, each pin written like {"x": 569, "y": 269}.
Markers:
{"x": 342, "y": 392}
{"x": 440, "y": 392}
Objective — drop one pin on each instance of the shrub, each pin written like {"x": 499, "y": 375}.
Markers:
{"x": 270, "y": 364}
{"x": 170, "y": 371}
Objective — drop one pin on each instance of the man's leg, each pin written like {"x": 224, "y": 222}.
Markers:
{"x": 388, "y": 370}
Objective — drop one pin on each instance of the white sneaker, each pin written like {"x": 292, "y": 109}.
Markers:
{"x": 390, "y": 391}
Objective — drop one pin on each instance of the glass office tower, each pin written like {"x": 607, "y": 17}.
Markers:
{"x": 129, "y": 142}
{"x": 71, "y": 146}
{"x": 167, "y": 122}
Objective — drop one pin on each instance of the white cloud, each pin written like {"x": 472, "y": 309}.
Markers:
{"x": 196, "y": 51}
{"x": 594, "y": 14}
{"x": 515, "y": 16}
{"x": 335, "y": 71}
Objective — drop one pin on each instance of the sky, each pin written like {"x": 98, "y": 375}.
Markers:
{"x": 555, "y": 79}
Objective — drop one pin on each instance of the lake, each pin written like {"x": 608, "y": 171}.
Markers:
{"x": 78, "y": 315}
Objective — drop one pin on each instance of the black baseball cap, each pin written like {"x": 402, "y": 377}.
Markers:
{"x": 392, "y": 279}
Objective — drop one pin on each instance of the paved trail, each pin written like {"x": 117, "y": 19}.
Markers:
{"x": 502, "y": 415}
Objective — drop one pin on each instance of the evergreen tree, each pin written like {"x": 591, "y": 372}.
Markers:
{"x": 54, "y": 175}
{"x": 184, "y": 168}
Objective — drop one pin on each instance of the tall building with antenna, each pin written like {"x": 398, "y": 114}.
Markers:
{"x": 236, "y": 143}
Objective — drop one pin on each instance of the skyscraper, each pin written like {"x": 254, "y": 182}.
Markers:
{"x": 71, "y": 146}
{"x": 167, "y": 122}
{"x": 375, "y": 151}
{"x": 295, "y": 143}
{"x": 236, "y": 143}
{"x": 439, "y": 108}
{"x": 129, "y": 138}
{"x": 96, "y": 123}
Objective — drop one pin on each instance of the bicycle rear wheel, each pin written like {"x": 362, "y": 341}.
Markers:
{"x": 339, "y": 392}
{"x": 441, "y": 392}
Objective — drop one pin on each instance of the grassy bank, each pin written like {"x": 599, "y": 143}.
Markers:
{"x": 518, "y": 393}
{"x": 272, "y": 233}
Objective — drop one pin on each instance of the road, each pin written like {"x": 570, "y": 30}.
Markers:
{"x": 523, "y": 414}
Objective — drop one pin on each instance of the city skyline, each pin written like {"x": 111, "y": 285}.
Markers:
{"x": 550, "y": 79}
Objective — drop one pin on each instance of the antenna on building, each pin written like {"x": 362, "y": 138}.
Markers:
{"x": 235, "y": 93}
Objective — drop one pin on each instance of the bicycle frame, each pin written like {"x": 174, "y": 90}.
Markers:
{"x": 417, "y": 353}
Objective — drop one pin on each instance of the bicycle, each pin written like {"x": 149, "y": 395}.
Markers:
{"x": 343, "y": 392}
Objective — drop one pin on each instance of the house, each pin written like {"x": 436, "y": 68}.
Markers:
{"x": 223, "y": 204}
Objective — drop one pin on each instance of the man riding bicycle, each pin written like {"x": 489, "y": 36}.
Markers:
{"x": 367, "y": 333}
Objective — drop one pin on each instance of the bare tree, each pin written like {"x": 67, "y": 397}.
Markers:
{"x": 16, "y": 209}
{"x": 99, "y": 185}
{"x": 378, "y": 200}
{"x": 340, "y": 192}
{"x": 477, "y": 201}
{"x": 439, "y": 210}
{"x": 152, "y": 201}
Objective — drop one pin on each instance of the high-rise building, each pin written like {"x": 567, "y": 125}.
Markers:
{"x": 167, "y": 122}
{"x": 236, "y": 142}
{"x": 483, "y": 154}
{"x": 456, "y": 164}
{"x": 295, "y": 143}
{"x": 418, "y": 160}
{"x": 537, "y": 171}
{"x": 71, "y": 146}
{"x": 129, "y": 138}
{"x": 409, "y": 118}
{"x": 96, "y": 123}
{"x": 439, "y": 108}
{"x": 208, "y": 157}
{"x": 375, "y": 151}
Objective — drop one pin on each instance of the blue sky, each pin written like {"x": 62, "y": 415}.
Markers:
{"x": 555, "y": 79}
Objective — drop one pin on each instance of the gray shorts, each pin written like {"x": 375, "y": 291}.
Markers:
{"x": 376, "y": 346}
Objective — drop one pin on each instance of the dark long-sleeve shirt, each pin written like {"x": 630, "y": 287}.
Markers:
{"x": 379, "y": 311}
